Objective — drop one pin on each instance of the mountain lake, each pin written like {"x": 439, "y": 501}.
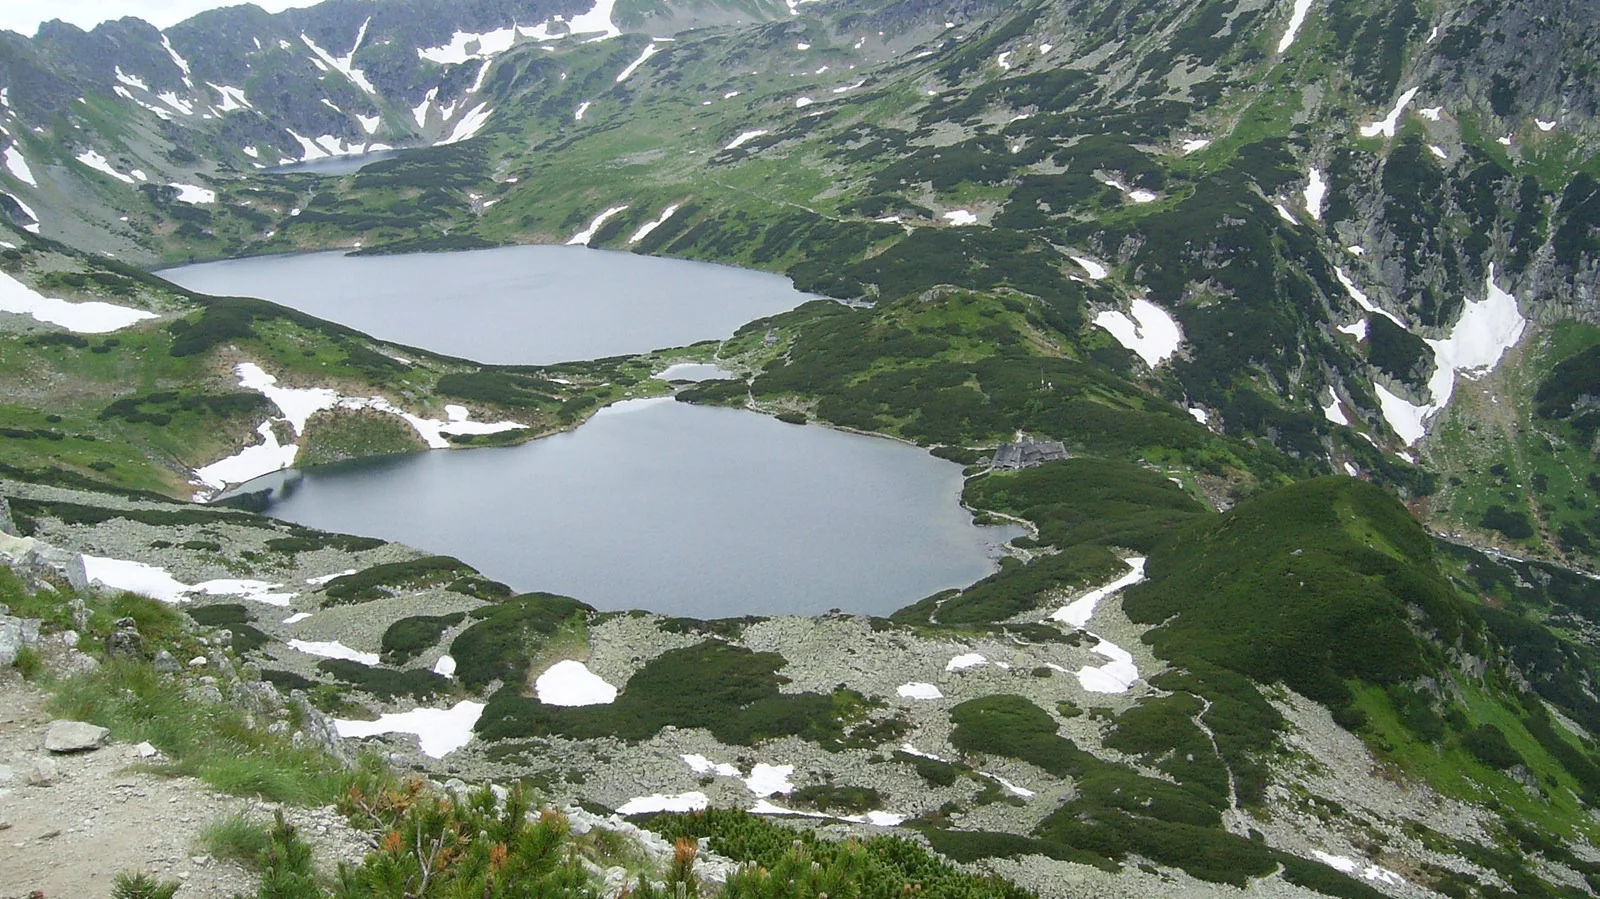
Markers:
{"x": 685, "y": 510}
{"x": 530, "y": 305}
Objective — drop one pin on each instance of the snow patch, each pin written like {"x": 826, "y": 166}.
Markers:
{"x": 699, "y": 764}
{"x": 769, "y": 780}
{"x": 1387, "y": 125}
{"x": 582, "y": 108}
{"x": 657, "y": 802}
{"x": 745, "y": 138}
{"x": 1485, "y": 330}
{"x": 1296, "y": 19}
{"x": 1095, "y": 270}
{"x": 1438, "y": 151}
{"x": 1316, "y": 194}
{"x": 1199, "y": 415}
{"x": 960, "y": 217}
{"x": 1334, "y": 412}
{"x": 297, "y": 617}
{"x": 333, "y": 649}
{"x": 94, "y": 160}
{"x": 596, "y": 21}
{"x": 82, "y": 318}
{"x": 469, "y": 125}
{"x": 179, "y": 61}
{"x": 445, "y": 667}
{"x": 918, "y": 690}
{"x": 965, "y": 661}
{"x": 571, "y": 683}
{"x": 192, "y": 193}
{"x": 1151, "y": 332}
{"x": 1362, "y": 299}
{"x": 134, "y": 577}
{"x": 18, "y": 166}
{"x": 1357, "y": 330}
{"x": 1194, "y": 146}
{"x": 582, "y": 238}
{"x": 232, "y": 98}
{"x": 645, "y": 229}
{"x": 256, "y": 591}
{"x": 439, "y": 731}
{"x": 1285, "y": 214}
{"x": 344, "y": 64}
{"x": 488, "y": 43}
{"x": 1543, "y": 125}
{"x": 1370, "y": 872}
{"x": 650, "y": 50}
{"x": 1116, "y": 676}
{"x": 803, "y": 102}
{"x": 1431, "y": 113}
{"x": 1079, "y": 611}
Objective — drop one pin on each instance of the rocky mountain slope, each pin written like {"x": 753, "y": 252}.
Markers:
{"x": 1305, "y": 289}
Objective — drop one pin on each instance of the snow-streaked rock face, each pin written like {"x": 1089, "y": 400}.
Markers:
{"x": 1386, "y": 126}
{"x": 1480, "y": 337}
{"x": 1150, "y": 332}
{"x": 571, "y": 683}
{"x": 1296, "y": 19}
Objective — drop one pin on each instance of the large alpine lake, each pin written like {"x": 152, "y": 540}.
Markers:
{"x": 652, "y": 504}
{"x": 531, "y": 305}
{"x": 680, "y": 509}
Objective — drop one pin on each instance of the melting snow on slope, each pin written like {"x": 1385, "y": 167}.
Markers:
{"x": 1192, "y": 146}
{"x": 1363, "y": 300}
{"x": 582, "y": 108}
{"x": 650, "y": 50}
{"x": 744, "y": 138}
{"x": 582, "y": 238}
{"x": 647, "y": 227}
{"x": 297, "y": 617}
{"x": 1151, "y": 332}
{"x": 333, "y": 649}
{"x": 960, "y": 217}
{"x": 1357, "y": 330}
{"x": 1351, "y": 866}
{"x": 445, "y": 667}
{"x": 1079, "y": 611}
{"x": 1543, "y": 125}
{"x": 179, "y": 61}
{"x": 439, "y": 731}
{"x": 343, "y": 64}
{"x": 249, "y": 463}
{"x": 1316, "y": 193}
{"x": 296, "y": 403}
{"x": 1485, "y": 330}
{"x": 488, "y": 43}
{"x": 469, "y": 125}
{"x": 571, "y": 683}
{"x": 1334, "y": 412}
{"x": 1298, "y": 18}
{"x": 1387, "y": 125}
{"x": 18, "y": 166}
{"x": 1285, "y": 214}
{"x": 596, "y": 20}
{"x": 965, "y": 661}
{"x": 134, "y": 577}
{"x": 232, "y": 98}
{"x": 82, "y": 318}
{"x": 191, "y": 193}
{"x": 699, "y": 764}
{"x": 658, "y": 802}
{"x": 1431, "y": 113}
{"x": 259, "y": 591}
{"x": 94, "y": 160}
{"x": 769, "y": 780}
{"x": 1115, "y": 676}
{"x": 918, "y": 690}
{"x": 1095, "y": 270}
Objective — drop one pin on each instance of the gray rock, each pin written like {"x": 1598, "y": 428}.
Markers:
{"x": 164, "y": 662}
{"x": 7, "y": 525}
{"x": 79, "y": 663}
{"x": 75, "y": 736}
{"x": 10, "y": 641}
{"x": 146, "y": 750}
{"x": 42, "y": 773}
{"x": 125, "y": 641}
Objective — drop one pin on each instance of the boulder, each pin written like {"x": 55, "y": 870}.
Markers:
{"x": 10, "y": 641}
{"x": 75, "y": 736}
{"x": 164, "y": 662}
{"x": 125, "y": 641}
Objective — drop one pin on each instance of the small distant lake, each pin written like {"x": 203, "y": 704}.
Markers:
{"x": 693, "y": 371}
{"x": 679, "y": 509}
{"x": 334, "y": 165}
{"x": 531, "y": 305}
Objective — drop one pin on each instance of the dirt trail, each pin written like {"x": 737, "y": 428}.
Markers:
{"x": 68, "y": 838}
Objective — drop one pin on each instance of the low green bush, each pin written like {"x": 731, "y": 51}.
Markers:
{"x": 409, "y": 637}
